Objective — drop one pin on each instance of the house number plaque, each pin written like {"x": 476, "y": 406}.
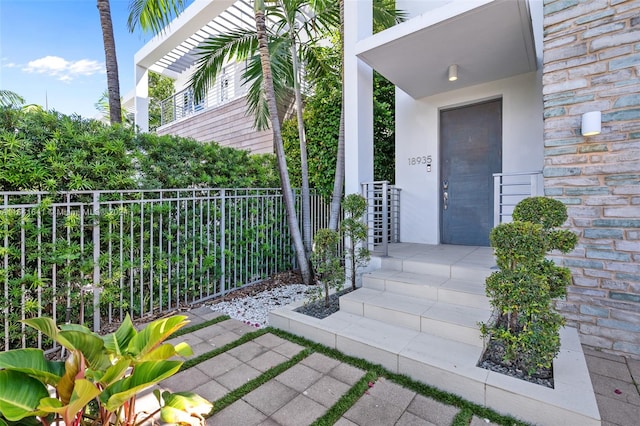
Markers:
{"x": 423, "y": 159}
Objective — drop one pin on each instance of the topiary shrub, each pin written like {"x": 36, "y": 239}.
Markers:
{"x": 326, "y": 263}
{"x": 526, "y": 328}
{"x": 354, "y": 228}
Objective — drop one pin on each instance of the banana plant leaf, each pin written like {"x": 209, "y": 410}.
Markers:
{"x": 117, "y": 342}
{"x": 145, "y": 374}
{"x": 83, "y": 392}
{"x": 154, "y": 334}
{"x": 33, "y": 363}
{"x": 20, "y": 395}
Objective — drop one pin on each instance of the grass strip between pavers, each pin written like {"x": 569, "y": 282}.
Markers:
{"x": 463, "y": 418}
{"x": 346, "y": 401}
{"x": 208, "y": 355}
{"x": 196, "y": 327}
{"x": 254, "y": 384}
{"x": 402, "y": 380}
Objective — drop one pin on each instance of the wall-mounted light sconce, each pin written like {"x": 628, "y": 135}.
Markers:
{"x": 591, "y": 123}
{"x": 453, "y": 72}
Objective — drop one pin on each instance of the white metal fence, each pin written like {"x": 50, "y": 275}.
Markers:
{"x": 93, "y": 257}
{"x": 382, "y": 216}
{"x": 511, "y": 188}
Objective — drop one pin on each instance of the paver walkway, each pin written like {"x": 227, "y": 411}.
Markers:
{"x": 305, "y": 385}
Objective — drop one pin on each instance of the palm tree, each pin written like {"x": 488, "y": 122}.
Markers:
{"x": 153, "y": 15}
{"x": 10, "y": 99}
{"x": 113, "y": 84}
{"x": 296, "y": 27}
{"x": 270, "y": 97}
{"x": 385, "y": 15}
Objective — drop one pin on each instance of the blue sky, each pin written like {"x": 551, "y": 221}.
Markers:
{"x": 52, "y": 51}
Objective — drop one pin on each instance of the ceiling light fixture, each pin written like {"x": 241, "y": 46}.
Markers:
{"x": 453, "y": 72}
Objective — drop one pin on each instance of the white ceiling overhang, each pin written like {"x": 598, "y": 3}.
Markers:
{"x": 488, "y": 40}
{"x": 175, "y": 50}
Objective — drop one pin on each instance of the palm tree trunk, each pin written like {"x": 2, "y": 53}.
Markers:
{"x": 306, "y": 196}
{"x": 113, "y": 85}
{"x": 338, "y": 180}
{"x": 277, "y": 142}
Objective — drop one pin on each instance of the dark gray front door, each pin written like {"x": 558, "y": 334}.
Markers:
{"x": 471, "y": 151}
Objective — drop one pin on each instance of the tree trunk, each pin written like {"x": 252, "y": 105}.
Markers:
{"x": 113, "y": 85}
{"x": 338, "y": 180}
{"x": 306, "y": 196}
{"x": 287, "y": 193}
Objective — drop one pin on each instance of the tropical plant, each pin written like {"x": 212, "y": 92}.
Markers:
{"x": 526, "y": 327}
{"x": 270, "y": 95}
{"x": 108, "y": 371}
{"x": 385, "y": 15}
{"x": 160, "y": 88}
{"x": 355, "y": 230}
{"x": 111, "y": 62}
{"x": 10, "y": 99}
{"x": 326, "y": 262}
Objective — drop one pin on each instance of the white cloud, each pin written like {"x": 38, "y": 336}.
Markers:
{"x": 62, "y": 69}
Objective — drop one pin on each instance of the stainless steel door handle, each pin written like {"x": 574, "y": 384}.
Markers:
{"x": 445, "y": 194}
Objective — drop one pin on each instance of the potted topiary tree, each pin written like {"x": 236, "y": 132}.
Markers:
{"x": 525, "y": 331}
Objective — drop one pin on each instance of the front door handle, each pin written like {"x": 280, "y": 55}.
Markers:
{"x": 445, "y": 194}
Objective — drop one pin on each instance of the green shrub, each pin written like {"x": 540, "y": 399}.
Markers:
{"x": 326, "y": 262}
{"x": 522, "y": 291}
{"x": 355, "y": 230}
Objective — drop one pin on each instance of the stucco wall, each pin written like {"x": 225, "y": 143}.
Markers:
{"x": 592, "y": 62}
{"x": 417, "y": 124}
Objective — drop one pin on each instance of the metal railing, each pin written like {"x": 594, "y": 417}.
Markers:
{"x": 383, "y": 215}
{"x": 511, "y": 188}
{"x": 182, "y": 104}
{"x": 92, "y": 257}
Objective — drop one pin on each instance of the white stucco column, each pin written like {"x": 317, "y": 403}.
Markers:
{"x": 142, "y": 98}
{"x": 358, "y": 97}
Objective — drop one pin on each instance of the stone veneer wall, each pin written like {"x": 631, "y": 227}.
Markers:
{"x": 592, "y": 62}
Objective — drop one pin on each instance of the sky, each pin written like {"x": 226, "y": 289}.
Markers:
{"x": 52, "y": 54}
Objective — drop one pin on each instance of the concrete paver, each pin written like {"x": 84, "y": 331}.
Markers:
{"x": 432, "y": 411}
{"x": 270, "y": 397}
{"x": 238, "y": 376}
{"x": 301, "y": 411}
{"x": 267, "y": 361}
{"x": 299, "y": 377}
{"x": 327, "y": 391}
{"x": 371, "y": 411}
{"x": 346, "y": 373}
{"x": 218, "y": 365}
{"x": 238, "y": 413}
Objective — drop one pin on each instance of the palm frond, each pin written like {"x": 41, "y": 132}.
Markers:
{"x": 10, "y": 99}
{"x": 216, "y": 51}
{"x": 153, "y": 15}
{"x": 385, "y": 14}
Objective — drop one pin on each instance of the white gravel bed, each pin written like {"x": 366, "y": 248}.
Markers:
{"x": 254, "y": 310}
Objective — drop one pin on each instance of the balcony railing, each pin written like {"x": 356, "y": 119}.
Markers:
{"x": 93, "y": 257}
{"x": 383, "y": 215}
{"x": 182, "y": 104}
{"x": 511, "y": 188}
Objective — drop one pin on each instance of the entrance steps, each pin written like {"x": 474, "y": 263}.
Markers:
{"x": 418, "y": 315}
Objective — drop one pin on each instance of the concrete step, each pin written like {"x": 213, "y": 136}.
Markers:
{"x": 474, "y": 265}
{"x": 453, "y": 321}
{"x": 451, "y": 365}
{"x": 431, "y": 287}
